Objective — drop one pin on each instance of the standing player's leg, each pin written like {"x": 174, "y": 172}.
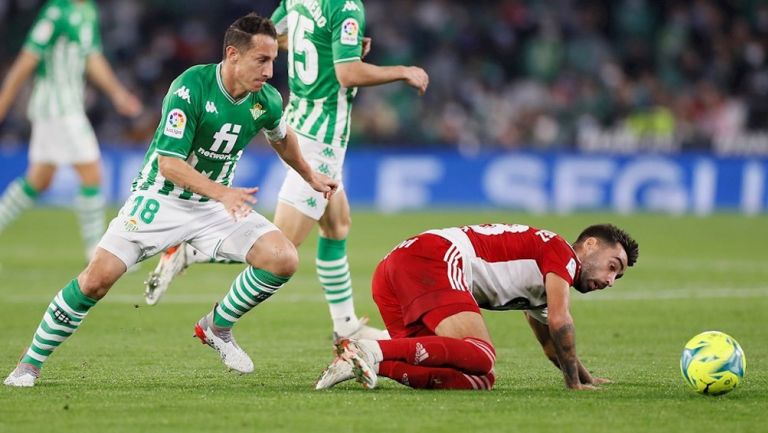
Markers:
{"x": 21, "y": 194}
{"x": 333, "y": 271}
{"x": 90, "y": 204}
{"x": 66, "y": 313}
{"x": 272, "y": 260}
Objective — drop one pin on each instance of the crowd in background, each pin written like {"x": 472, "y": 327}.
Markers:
{"x": 506, "y": 74}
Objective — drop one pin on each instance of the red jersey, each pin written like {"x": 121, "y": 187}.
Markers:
{"x": 504, "y": 264}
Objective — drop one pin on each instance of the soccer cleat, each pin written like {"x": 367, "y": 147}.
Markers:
{"x": 221, "y": 339}
{"x": 363, "y": 332}
{"x": 172, "y": 263}
{"x": 23, "y": 375}
{"x": 361, "y": 362}
{"x": 338, "y": 371}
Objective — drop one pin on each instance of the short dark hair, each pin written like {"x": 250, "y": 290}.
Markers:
{"x": 240, "y": 33}
{"x": 611, "y": 234}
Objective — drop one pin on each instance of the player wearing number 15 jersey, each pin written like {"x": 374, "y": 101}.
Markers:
{"x": 184, "y": 194}
{"x": 430, "y": 290}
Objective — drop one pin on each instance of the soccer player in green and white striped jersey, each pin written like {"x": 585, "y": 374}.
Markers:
{"x": 63, "y": 45}
{"x": 325, "y": 44}
{"x": 184, "y": 194}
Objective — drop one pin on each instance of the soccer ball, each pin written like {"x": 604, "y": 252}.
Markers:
{"x": 713, "y": 363}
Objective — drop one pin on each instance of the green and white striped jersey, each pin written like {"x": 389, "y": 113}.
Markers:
{"x": 202, "y": 124}
{"x": 320, "y": 33}
{"x": 65, "y": 33}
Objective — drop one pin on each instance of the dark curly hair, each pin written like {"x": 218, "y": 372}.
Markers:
{"x": 611, "y": 234}
{"x": 240, "y": 32}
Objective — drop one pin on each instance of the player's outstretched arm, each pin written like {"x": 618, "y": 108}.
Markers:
{"x": 361, "y": 74}
{"x": 541, "y": 331}
{"x": 289, "y": 151}
{"x": 101, "y": 74}
{"x": 22, "y": 68}
{"x": 237, "y": 201}
{"x": 562, "y": 331}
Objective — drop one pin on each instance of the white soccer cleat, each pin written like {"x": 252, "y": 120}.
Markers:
{"x": 24, "y": 375}
{"x": 172, "y": 263}
{"x": 222, "y": 340}
{"x": 363, "y": 332}
{"x": 362, "y": 362}
{"x": 338, "y": 371}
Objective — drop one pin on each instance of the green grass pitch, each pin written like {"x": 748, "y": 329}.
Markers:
{"x": 133, "y": 368}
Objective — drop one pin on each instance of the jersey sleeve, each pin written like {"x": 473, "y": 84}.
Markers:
{"x": 279, "y": 18}
{"x": 347, "y": 29}
{"x": 46, "y": 26}
{"x": 558, "y": 258}
{"x": 275, "y": 129}
{"x": 180, "y": 117}
{"x": 90, "y": 36}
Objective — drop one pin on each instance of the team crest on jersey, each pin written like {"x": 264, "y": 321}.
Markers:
{"x": 257, "y": 111}
{"x": 175, "y": 124}
{"x": 349, "y": 31}
{"x": 183, "y": 93}
{"x": 131, "y": 225}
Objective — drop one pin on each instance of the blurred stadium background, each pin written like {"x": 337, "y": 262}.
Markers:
{"x": 556, "y": 113}
{"x": 533, "y": 105}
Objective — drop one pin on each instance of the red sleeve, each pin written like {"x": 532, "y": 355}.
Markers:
{"x": 558, "y": 257}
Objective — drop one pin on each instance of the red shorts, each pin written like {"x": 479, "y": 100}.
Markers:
{"x": 419, "y": 284}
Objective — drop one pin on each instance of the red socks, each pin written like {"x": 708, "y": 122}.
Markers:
{"x": 466, "y": 364}
{"x": 420, "y": 377}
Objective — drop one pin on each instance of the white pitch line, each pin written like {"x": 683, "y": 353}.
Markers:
{"x": 610, "y": 295}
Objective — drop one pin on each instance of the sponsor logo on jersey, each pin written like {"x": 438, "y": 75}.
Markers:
{"x": 420, "y": 355}
{"x": 257, "y": 110}
{"x": 350, "y": 6}
{"x": 349, "y": 31}
{"x": 571, "y": 268}
{"x": 211, "y": 108}
{"x": 183, "y": 93}
{"x": 175, "y": 124}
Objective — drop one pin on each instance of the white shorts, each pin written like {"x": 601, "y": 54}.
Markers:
{"x": 323, "y": 158}
{"x": 149, "y": 223}
{"x": 63, "y": 141}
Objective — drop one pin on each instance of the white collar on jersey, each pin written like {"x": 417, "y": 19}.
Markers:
{"x": 224, "y": 89}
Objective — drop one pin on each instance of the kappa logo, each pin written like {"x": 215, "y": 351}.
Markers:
{"x": 350, "y": 6}
{"x": 420, "y": 355}
{"x": 183, "y": 93}
{"x": 211, "y": 108}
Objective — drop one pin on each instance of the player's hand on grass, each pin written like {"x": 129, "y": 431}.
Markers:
{"x": 600, "y": 380}
{"x": 417, "y": 78}
{"x": 238, "y": 201}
